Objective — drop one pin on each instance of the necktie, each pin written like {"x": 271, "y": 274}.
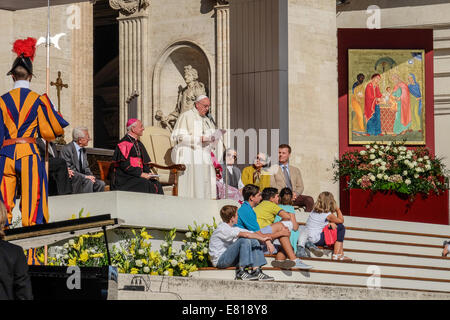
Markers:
{"x": 80, "y": 160}
{"x": 286, "y": 177}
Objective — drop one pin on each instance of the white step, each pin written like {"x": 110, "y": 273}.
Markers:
{"x": 372, "y": 246}
{"x": 393, "y": 259}
{"x": 384, "y": 236}
{"x": 325, "y": 277}
{"x": 389, "y": 225}
{"x": 320, "y": 264}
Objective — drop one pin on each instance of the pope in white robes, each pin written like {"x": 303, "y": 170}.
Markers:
{"x": 193, "y": 136}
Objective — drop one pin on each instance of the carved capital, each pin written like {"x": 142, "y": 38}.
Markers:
{"x": 129, "y": 7}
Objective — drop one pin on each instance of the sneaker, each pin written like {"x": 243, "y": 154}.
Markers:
{"x": 283, "y": 264}
{"x": 313, "y": 248}
{"x": 341, "y": 257}
{"x": 262, "y": 276}
{"x": 302, "y": 253}
{"x": 300, "y": 265}
{"x": 245, "y": 276}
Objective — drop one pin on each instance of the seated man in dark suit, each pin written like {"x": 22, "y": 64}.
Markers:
{"x": 59, "y": 175}
{"x": 74, "y": 153}
{"x": 15, "y": 283}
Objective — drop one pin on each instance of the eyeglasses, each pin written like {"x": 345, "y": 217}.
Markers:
{"x": 232, "y": 155}
{"x": 204, "y": 105}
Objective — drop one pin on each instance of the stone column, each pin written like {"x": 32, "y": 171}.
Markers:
{"x": 223, "y": 64}
{"x": 81, "y": 85}
{"x": 133, "y": 57}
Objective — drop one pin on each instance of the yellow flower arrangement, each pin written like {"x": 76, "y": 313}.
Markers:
{"x": 135, "y": 256}
{"x": 41, "y": 258}
{"x": 134, "y": 271}
{"x": 84, "y": 256}
{"x": 72, "y": 262}
{"x": 204, "y": 234}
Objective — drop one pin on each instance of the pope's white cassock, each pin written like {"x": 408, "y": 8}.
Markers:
{"x": 199, "y": 179}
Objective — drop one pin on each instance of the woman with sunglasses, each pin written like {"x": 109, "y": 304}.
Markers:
{"x": 257, "y": 173}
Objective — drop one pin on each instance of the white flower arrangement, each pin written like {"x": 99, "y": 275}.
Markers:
{"x": 393, "y": 167}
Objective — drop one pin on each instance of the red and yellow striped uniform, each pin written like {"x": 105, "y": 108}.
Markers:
{"x": 26, "y": 114}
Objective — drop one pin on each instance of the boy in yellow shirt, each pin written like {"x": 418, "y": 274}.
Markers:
{"x": 266, "y": 211}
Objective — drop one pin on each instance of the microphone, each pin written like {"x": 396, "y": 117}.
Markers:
{"x": 211, "y": 118}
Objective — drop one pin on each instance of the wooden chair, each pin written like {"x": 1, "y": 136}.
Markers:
{"x": 159, "y": 147}
{"x": 104, "y": 171}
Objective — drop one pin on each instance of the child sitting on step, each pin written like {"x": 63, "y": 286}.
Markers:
{"x": 231, "y": 246}
{"x": 321, "y": 217}
{"x": 285, "y": 203}
{"x": 446, "y": 248}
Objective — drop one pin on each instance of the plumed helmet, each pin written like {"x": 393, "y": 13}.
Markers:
{"x": 25, "y": 50}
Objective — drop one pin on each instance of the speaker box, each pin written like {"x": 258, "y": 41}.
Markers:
{"x": 73, "y": 283}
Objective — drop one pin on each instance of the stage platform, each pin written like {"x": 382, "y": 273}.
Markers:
{"x": 136, "y": 209}
{"x": 404, "y": 256}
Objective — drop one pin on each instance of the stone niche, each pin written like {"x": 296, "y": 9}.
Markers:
{"x": 169, "y": 79}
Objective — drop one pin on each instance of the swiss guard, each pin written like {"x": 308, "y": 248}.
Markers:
{"x": 25, "y": 115}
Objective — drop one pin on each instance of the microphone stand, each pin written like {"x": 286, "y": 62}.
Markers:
{"x": 225, "y": 149}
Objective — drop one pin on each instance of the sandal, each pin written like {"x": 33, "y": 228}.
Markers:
{"x": 340, "y": 257}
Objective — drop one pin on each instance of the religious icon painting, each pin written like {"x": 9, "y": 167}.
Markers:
{"x": 386, "y": 96}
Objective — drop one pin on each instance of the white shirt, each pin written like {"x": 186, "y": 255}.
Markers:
{"x": 315, "y": 224}
{"x": 221, "y": 239}
{"x": 22, "y": 84}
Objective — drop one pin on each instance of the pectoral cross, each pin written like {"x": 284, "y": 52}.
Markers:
{"x": 59, "y": 86}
